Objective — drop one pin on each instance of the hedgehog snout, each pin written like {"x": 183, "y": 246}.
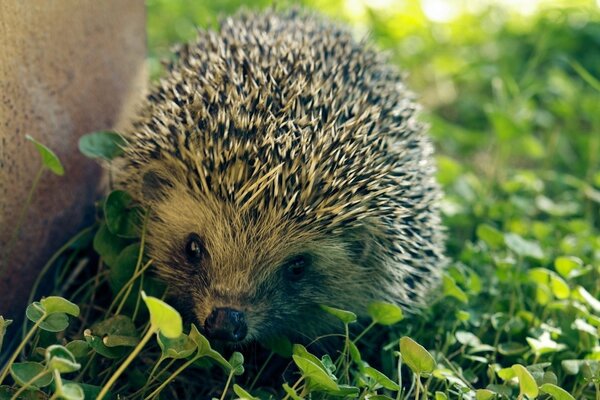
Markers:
{"x": 226, "y": 324}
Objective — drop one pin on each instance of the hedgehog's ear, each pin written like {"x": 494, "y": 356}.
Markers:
{"x": 155, "y": 186}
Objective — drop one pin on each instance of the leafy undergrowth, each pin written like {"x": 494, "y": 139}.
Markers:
{"x": 517, "y": 316}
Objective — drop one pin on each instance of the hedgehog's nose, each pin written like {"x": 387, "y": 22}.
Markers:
{"x": 226, "y": 324}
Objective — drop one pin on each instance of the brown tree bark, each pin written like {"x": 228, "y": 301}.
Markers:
{"x": 67, "y": 67}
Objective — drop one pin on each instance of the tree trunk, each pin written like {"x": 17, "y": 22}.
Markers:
{"x": 67, "y": 67}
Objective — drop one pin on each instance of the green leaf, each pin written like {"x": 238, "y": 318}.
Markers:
{"x": 586, "y": 297}
{"x": 55, "y": 323}
{"x": 280, "y": 345}
{"x": 522, "y": 247}
{"x": 35, "y": 311}
{"x": 79, "y": 348}
{"x": 571, "y": 367}
{"x": 55, "y": 304}
{"x": 440, "y": 396}
{"x": 60, "y": 358}
{"x": 451, "y": 289}
{"x": 512, "y": 348}
{"x": 72, "y": 391}
{"x": 467, "y": 338}
{"x": 354, "y": 352}
{"x": 123, "y": 218}
{"x": 24, "y": 372}
{"x": 568, "y": 266}
{"x": 124, "y": 268}
{"x": 4, "y": 323}
{"x": 108, "y": 245}
{"x": 163, "y": 317}
{"x": 99, "y": 347}
{"x": 556, "y": 392}
{"x": 380, "y": 378}
{"x": 527, "y": 384}
{"x": 242, "y": 394}
{"x": 490, "y": 235}
{"x": 385, "y": 313}
{"x": 106, "y": 145}
{"x": 120, "y": 325}
{"x": 316, "y": 373}
{"x": 544, "y": 344}
{"x": 49, "y": 159}
{"x": 346, "y": 317}
{"x": 201, "y": 341}
{"x": 181, "y": 347}
{"x": 301, "y": 351}
{"x": 117, "y": 340}
{"x": 543, "y": 276}
{"x": 415, "y": 356}
{"x": 484, "y": 394}
{"x": 237, "y": 363}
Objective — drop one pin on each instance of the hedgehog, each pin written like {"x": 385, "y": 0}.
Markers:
{"x": 284, "y": 168}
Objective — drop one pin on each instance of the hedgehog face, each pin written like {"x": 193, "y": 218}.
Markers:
{"x": 244, "y": 276}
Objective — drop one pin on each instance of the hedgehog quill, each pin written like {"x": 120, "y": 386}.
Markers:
{"x": 284, "y": 168}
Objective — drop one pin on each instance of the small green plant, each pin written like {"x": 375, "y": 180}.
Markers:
{"x": 513, "y": 106}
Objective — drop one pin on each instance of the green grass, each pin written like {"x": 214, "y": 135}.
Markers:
{"x": 513, "y": 104}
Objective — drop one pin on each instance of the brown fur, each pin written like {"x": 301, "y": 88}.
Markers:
{"x": 276, "y": 136}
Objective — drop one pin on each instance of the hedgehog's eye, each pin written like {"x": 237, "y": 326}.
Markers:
{"x": 194, "y": 248}
{"x": 296, "y": 266}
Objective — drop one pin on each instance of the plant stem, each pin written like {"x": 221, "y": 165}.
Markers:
{"x": 49, "y": 264}
{"x": 171, "y": 377}
{"x": 418, "y": 380}
{"x": 227, "y": 385}
{"x": 21, "y": 346}
{"x": 126, "y": 363}
{"x": 138, "y": 265}
{"x": 21, "y": 218}
{"x": 367, "y": 329}
{"x": 127, "y": 285}
{"x": 287, "y": 396}
{"x": 260, "y": 371}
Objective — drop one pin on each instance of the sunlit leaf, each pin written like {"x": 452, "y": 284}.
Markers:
{"x": 346, "y": 317}
{"x": 61, "y": 359}
{"x": 72, "y": 391}
{"x": 415, "y": 356}
{"x": 385, "y": 313}
{"x": 567, "y": 266}
{"x": 49, "y": 159}
{"x": 55, "y": 304}
{"x": 381, "y": 379}
{"x": 556, "y": 392}
{"x": 527, "y": 384}
{"x": 181, "y": 347}
{"x": 242, "y": 394}
{"x": 163, "y": 317}
{"x": 440, "y": 396}
{"x": 316, "y": 373}
{"x": 484, "y": 394}
{"x": 523, "y": 247}
{"x": 451, "y": 289}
